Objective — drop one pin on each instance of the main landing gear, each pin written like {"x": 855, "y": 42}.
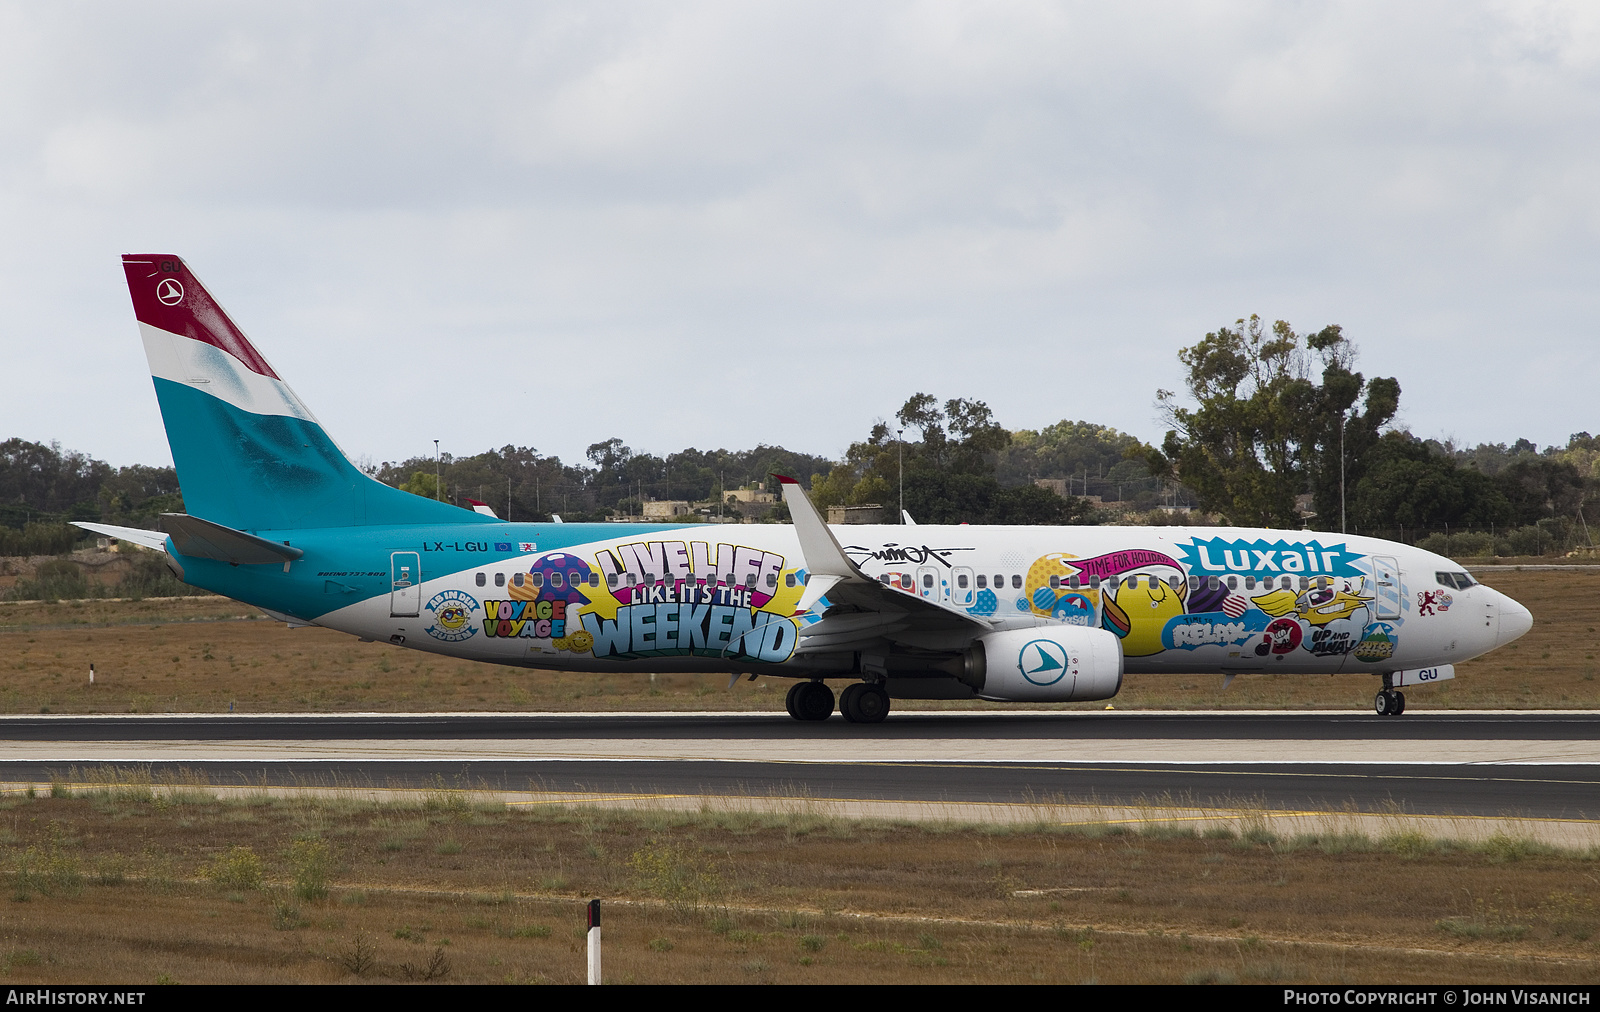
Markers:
{"x": 861, "y": 703}
{"x": 809, "y": 701}
{"x": 1389, "y": 703}
{"x": 864, "y": 703}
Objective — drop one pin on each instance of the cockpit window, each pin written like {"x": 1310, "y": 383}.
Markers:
{"x": 1456, "y": 581}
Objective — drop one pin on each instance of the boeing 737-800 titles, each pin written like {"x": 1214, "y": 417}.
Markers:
{"x": 279, "y": 518}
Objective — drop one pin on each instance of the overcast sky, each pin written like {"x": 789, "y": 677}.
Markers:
{"x": 721, "y": 224}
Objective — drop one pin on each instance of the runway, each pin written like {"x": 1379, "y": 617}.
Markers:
{"x": 1495, "y": 764}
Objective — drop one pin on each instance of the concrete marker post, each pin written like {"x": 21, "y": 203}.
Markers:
{"x": 594, "y": 941}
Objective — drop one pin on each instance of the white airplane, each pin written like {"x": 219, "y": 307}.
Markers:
{"x": 279, "y": 518}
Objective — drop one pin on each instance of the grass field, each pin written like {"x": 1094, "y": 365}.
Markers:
{"x": 211, "y": 654}
{"x": 132, "y": 884}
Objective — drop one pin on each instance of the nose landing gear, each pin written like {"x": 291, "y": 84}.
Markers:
{"x": 809, "y": 701}
{"x": 1389, "y": 703}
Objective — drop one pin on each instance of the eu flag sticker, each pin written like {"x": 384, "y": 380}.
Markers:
{"x": 502, "y": 546}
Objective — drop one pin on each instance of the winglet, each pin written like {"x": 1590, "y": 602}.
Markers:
{"x": 821, "y": 551}
{"x": 484, "y": 508}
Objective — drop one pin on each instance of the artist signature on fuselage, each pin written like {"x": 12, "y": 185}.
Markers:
{"x": 914, "y": 554}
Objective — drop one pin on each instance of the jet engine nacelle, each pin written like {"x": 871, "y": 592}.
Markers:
{"x": 1054, "y": 664}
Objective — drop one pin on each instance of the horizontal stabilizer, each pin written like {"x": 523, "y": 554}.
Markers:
{"x": 203, "y": 539}
{"x": 132, "y": 535}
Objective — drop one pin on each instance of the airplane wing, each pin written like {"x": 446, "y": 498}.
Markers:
{"x": 863, "y": 611}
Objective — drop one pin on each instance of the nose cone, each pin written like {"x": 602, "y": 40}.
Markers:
{"x": 1515, "y": 620}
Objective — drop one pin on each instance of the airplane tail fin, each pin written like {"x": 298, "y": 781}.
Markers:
{"x": 249, "y": 454}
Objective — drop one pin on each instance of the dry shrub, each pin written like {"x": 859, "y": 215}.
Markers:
{"x": 685, "y": 879}
{"x": 238, "y": 870}
{"x": 310, "y": 860}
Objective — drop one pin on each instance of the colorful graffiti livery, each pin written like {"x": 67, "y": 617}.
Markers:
{"x": 684, "y": 598}
{"x": 526, "y": 619}
{"x": 452, "y": 616}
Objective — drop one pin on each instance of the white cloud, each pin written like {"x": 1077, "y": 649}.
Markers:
{"x": 721, "y": 223}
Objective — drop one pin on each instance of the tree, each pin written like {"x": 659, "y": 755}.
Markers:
{"x": 948, "y": 470}
{"x": 1263, "y": 430}
{"x": 1408, "y": 484}
{"x": 1334, "y": 463}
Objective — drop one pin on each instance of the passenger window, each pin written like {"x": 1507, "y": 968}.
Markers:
{"x": 1094, "y": 583}
{"x": 1055, "y": 583}
{"x": 516, "y": 579}
{"x": 772, "y": 580}
{"x": 883, "y": 578}
{"x": 1249, "y": 583}
{"x": 1212, "y": 583}
{"x": 555, "y": 579}
{"x": 480, "y": 580}
{"x": 961, "y": 581}
{"x": 983, "y": 582}
{"x": 1194, "y": 583}
{"x": 499, "y": 579}
{"x": 594, "y": 579}
{"x": 1304, "y": 583}
{"x": 927, "y": 581}
{"x": 1016, "y": 581}
{"x": 1073, "y": 582}
{"x": 611, "y": 579}
{"x": 633, "y": 579}
{"x": 1233, "y": 583}
{"x": 788, "y": 579}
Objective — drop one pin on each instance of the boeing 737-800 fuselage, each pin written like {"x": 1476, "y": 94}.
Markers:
{"x": 280, "y": 519}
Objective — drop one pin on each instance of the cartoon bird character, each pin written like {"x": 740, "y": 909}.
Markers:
{"x": 1138, "y": 610}
{"x": 1317, "y": 605}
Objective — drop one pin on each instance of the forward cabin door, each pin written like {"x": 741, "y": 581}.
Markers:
{"x": 1386, "y": 580}
{"x": 405, "y": 584}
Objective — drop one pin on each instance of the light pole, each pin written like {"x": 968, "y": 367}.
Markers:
{"x": 436, "y": 491}
{"x": 1341, "y": 471}
{"x": 901, "y": 436}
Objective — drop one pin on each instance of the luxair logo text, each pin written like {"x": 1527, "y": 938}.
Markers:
{"x": 1268, "y": 558}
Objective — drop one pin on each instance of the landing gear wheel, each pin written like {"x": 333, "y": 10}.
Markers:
{"x": 1381, "y": 703}
{"x": 812, "y": 701}
{"x": 864, "y": 703}
{"x": 1399, "y": 703}
{"x": 789, "y": 700}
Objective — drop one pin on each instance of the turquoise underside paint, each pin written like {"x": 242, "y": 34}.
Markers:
{"x": 346, "y": 565}
{"x": 272, "y": 472}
